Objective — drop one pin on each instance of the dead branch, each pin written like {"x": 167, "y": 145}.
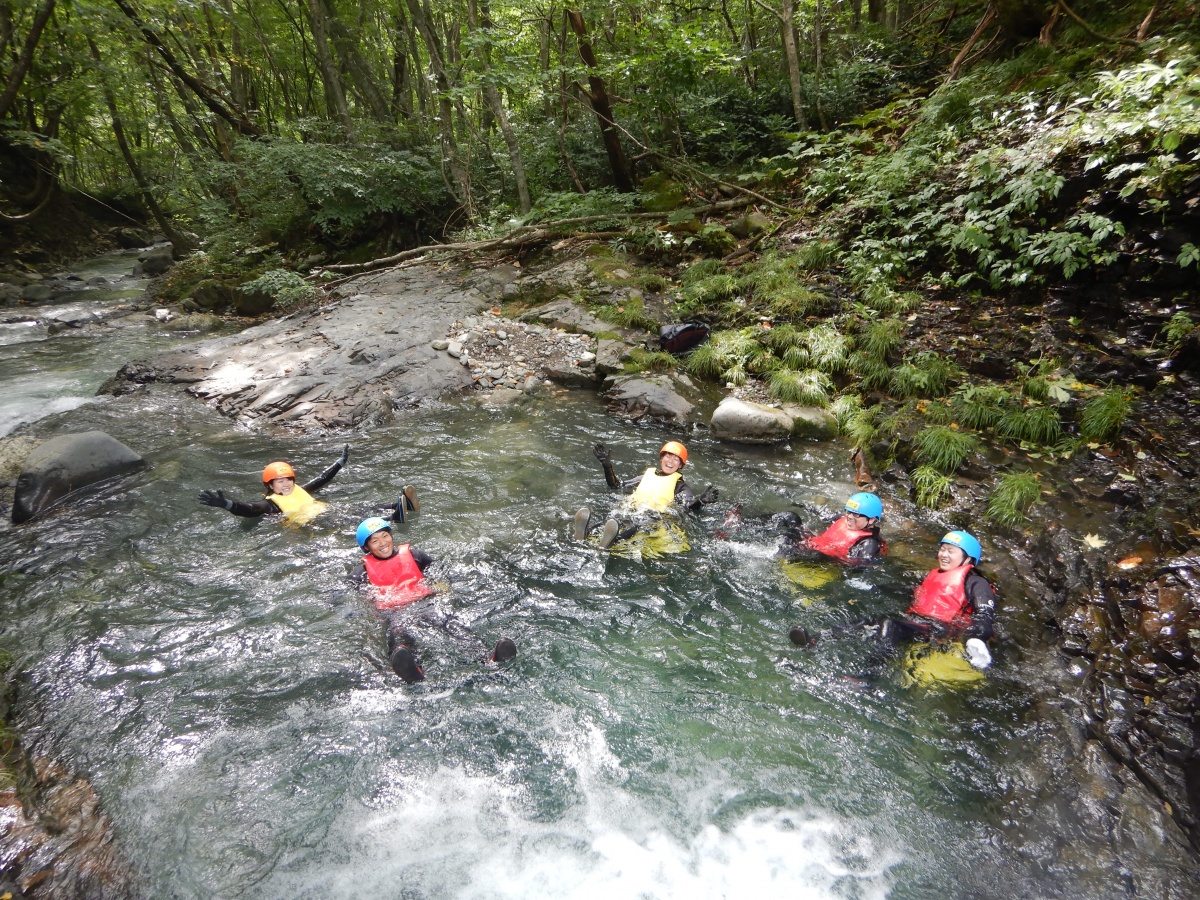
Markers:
{"x": 520, "y": 237}
{"x": 989, "y": 16}
{"x": 1088, "y": 28}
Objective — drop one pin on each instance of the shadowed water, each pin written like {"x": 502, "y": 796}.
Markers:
{"x": 658, "y": 736}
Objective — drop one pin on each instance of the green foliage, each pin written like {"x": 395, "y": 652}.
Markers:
{"x": 1178, "y": 327}
{"x": 630, "y": 313}
{"x": 811, "y": 387}
{"x": 604, "y": 201}
{"x": 932, "y": 487}
{"x": 945, "y": 448}
{"x": 871, "y": 374}
{"x": 817, "y": 256}
{"x": 880, "y": 338}
{"x": 926, "y": 375}
{"x": 288, "y": 288}
{"x": 642, "y": 360}
{"x": 726, "y": 356}
{"x": 1012, "y": 497}
{"x": 980, "y": 407}
{"x": 827, "y": 348}
{"x": 1032, "y": 424}
{"x": 1102, "y": 418}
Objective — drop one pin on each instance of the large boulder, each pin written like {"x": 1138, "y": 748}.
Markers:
{"x": 155, "y": 263}
{"x": 65, "y": 464}
{"x": 656, "y": 396}
{"x": 744, "y": 422}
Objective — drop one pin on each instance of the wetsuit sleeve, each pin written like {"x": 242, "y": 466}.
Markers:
{"x": 867, "y": 548}
{"x": 610, "y": 477}
{"x": 983, "y": 606}
{"x": 421, "y": 558}
{"x": 629, "y": 485}
{"x": 254, "y": 508}
{"x": 325, "y": 477}
{"x": 359, "y": 574}
{"x": 684, "y": 498}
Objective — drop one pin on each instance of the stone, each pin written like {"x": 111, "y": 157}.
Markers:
{"x": 564, "y": 372}
{"x": 37, "y": 293}
{"x": 611, "y": 356}
{"x": 212, "y": 295}
{"x": 812, "y": 422}
{"x": 454, "y": 348}
{"x": 440, "y": 344}
{"x": 162, "y": 315}
{"x": 252, "y": 303}
{"x": 65, "y": 464}
{"x": 155, "y": 263}
{"x": 639, "y": 396}
{"x": 750, "y": 423}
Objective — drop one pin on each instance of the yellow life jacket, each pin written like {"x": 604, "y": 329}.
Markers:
{"x": 654, "y": 491}
{"x": 299, "y": 507}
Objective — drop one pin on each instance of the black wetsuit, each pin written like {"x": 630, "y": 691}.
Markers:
{"x": 981, "y": 605}
{"x": 792, "y": 547}
{"x": 266, "y": 507}
{"x": 683, "y": 497}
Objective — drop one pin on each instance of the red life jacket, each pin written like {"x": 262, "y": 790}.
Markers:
{"x": 838, "y": 538}
{"x": 943, "y": 596}
{"x": 400, "y": 574}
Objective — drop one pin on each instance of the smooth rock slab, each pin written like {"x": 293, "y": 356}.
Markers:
{"x": 637, "y": 396}
{"x": 65, "y": 464}
{"x": 744, "y": 422}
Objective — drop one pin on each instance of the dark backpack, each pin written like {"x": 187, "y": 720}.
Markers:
{"x": 682, "y": 337}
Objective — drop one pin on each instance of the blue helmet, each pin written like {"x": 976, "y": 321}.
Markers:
{"x": 865, "y": 505}
{"x": 368, "y": 527}
{"x": 966, "y": 543}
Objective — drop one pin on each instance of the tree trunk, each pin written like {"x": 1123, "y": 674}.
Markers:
{"x": 419, "y": 11}
{"x": 335, "y": 95}
{"x": 231, "y": 114}
{"x": 365, "y": 84}
{"x": 818, "y": 24}
{"x": 602, "y": 106}
{"x": 877, "y": 11}
{"x": 21, "y": 67}
{"x": 479, "y": 17}
{"x": 181, "y": 245}
{"x": 791, "y": 57}
{"x": 989, "y": 15}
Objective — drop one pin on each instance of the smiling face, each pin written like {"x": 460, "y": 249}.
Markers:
{"x": 282, "y": 485}
{"x": 857, "y": 522}
{"x": 380, "y": 544}
{"x": 950, "y": 557}
{"x": 669, "y": 463}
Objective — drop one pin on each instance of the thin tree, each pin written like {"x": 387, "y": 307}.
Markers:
{"x": 597, "y": 95}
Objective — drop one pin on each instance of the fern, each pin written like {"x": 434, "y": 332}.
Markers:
{"x": 1102, "y": 418}
{"x": 932, "y": 487}
{"x": 810, "y": 387}
{"x": 1012, "y": 498}
{"x": 945, "y": 448}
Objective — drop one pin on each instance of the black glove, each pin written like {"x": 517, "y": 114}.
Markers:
{"x": 710, "y": 495}
{"x": 215, "y": 498}
{"x": 345, "y": 455}
{"x": 601, "y": 452}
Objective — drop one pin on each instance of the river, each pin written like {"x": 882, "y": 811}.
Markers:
{"x": 227, "y": 693}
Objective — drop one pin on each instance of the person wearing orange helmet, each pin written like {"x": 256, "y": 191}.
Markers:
{"x": 283, "y": 496}
{"x": 656, "y": 490}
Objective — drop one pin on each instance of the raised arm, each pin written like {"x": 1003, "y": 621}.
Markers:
{"x": 327, "y": 476}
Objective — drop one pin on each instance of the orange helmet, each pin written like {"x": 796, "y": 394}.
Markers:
{"x": 677, "y": 448}
{"x": 277, "y": 470}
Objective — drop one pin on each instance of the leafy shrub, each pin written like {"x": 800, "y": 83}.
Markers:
{"x": 945, "y": 448}
{"x": 980, "y": 406}
{"x": 1178, "y": 327}
{"x": 1012, "y": 497}
{"x": 288, "y": 288}
{"x": 726, "y": 356}
{"x": 880, "y": 338}
{"x": 817, "y": 256}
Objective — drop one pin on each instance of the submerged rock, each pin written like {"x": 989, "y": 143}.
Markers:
{"x": 65, "y": 464}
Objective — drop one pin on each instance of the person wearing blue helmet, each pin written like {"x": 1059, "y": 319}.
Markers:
{"x": 953, "y": 601}
{"x": 854, "y": 535}
{"x": 397, "y": 572}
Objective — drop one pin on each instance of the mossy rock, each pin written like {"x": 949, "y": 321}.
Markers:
{"x": 212, "y": 294}
{"x": 663, "y": 193}
{"x": 194, "y": 322}
{"x": 252, "y": 303}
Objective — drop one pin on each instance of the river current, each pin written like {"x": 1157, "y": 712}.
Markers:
{"x": 227, "y": 693}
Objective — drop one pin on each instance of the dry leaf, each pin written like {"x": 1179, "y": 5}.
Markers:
{"x": 1094, "y": 541}
{"x": 1130, "y": 562}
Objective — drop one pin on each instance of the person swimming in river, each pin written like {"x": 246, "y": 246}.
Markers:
{"x": 954, "y": 602}
{"x": 283, "y": 496}
{"x": 852, "y": 537}
{"x": 655, "y": 491}
{"x": 397, "y": 572}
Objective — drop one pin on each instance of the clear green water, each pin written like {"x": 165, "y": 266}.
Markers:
{"x": 658, "y": 736}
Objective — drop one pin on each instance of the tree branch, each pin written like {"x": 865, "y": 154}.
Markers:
{"x": 1088, "y": 28}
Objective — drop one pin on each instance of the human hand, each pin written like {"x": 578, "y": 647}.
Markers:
{"x": 710, "y": 495}
{"x": 345, "y": 455}
{"x": 601, "y": 452}
{"x": 215, "y": 498}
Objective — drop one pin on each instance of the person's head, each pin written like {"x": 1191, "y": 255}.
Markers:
{"x": 672, "y": 457}
{"x": 956, "y": 549}
{"x": 279, "y": 478}
{"x": 863, "y": 510}
{"x": 375, "y": 536}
